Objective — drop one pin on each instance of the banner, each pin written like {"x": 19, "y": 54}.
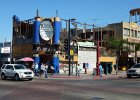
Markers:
{"x": 5, "y": 50}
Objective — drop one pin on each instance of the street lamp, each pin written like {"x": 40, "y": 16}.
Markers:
{"x": 69, "y": 56}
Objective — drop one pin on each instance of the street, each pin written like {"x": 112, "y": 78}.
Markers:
{"x": 70, "y": 89}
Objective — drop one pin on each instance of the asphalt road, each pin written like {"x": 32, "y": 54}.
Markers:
{"x": 64, "y": 89}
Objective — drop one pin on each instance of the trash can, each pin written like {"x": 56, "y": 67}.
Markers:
{"x": 94, "y": 71}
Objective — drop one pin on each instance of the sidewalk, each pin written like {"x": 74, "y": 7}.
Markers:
{"x": 64, "y": 76}
{"x": 121, "y": 74}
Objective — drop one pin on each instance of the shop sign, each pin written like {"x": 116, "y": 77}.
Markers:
{"x": 133, "y": 40}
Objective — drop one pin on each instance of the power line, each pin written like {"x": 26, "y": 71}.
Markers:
{"x": 111, "y": 17}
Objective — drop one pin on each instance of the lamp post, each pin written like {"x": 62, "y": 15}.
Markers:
{"x": 69, "y": 56}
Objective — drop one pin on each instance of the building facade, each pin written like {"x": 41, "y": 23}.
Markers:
{"x": 130, "y": 32}
{"x": 37, "y": 38}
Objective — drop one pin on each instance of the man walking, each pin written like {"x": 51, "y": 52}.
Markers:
{"x": 36, "y": 69}
{"x": 78, "y": 69}
{"x": 45, "y": 71}
{"x": 100, "y": 69}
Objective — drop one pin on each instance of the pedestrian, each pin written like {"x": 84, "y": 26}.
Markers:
{"x": 42, "y": 69}
{"x": 33, "y": 67}
{"x": 78, "y": 70}
{"x": 100, "y": 69}
{"x": 52, "y": 69}
{"x": 36, "y": 69}
{"x": 116, "y": 69}
{"x": 45, "y": 71}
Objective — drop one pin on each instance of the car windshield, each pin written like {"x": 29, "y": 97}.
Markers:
{"x": 136, "y": 66}
{"x": 20, "y": 67}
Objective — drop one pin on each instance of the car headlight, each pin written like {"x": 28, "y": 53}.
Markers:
{"x": 137, "y": 71}
{"x": 123, "y": 68}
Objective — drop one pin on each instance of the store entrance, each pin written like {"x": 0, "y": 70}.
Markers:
{"x": 107, "y": 66}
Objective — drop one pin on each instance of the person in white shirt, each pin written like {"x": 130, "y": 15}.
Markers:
{"x": 45, "y": 71}
{"x": 52, "y": 69}
{"x": 100, "y": 69}
{"x": 36, "y": 69}
{"x": 42, "y": 69}
{"x": 78, "y": 70}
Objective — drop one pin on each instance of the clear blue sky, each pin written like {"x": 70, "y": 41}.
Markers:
{"x": 106, "y": 11}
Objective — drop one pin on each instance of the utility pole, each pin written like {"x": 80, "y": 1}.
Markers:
{"x": 69, "y": 33}
{"x": 98, "y": 55}
{"x": 69, "y": 58}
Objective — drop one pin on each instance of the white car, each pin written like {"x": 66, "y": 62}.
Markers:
{"x": 133, "y": 71}
{"x": 16, "y": 71}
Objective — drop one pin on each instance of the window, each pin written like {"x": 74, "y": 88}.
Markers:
{"x": 138, "y": 35}
{"x": 3, "y": 66}
{"x": 137, "y": 66}
{"x": 20, "y": 67}
{"x": 9, "y": 67}
{"x": 126, "y": 32}
{"x": 135, "y": 33}
{"x": 132, "y": 33}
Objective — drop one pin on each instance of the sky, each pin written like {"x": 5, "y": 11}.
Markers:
{"x": 98, "y": 12}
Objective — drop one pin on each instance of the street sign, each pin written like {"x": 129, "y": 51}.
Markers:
{"x": 71, "y": 52}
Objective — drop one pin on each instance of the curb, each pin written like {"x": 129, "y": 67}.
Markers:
{"x": 82, "y": 77}
{"x": 63, "y": 77}
{"x": 108, "y": 77}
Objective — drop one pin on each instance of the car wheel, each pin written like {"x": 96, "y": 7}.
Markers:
{"x": 17, "y": 77}
{"x": 30, "y": 79}
{"x": 3, "y": 76}
{"x": 128, "y": 76}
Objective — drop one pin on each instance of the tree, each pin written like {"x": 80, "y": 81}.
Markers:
{"x": 118, "y": 46}
{"x": 137, "y": 47}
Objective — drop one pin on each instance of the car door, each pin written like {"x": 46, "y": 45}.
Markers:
{"x": 9, "y": 70}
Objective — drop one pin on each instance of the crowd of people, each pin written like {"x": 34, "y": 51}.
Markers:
{"x": 43, "y": 70}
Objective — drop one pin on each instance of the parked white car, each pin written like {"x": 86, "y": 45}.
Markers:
{"x": 16, "y": 71}
{"x": 133, "y": 71}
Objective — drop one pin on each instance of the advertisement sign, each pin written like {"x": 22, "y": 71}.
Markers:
{"x": 5, "y": 50}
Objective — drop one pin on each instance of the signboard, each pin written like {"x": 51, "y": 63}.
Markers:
{"x": 86, "y": 44}
{"x": 5, "y": 50}
{"x": 133, "y": 40}
{"x": 87, "y": 57}
{"x": 46, "y": 29}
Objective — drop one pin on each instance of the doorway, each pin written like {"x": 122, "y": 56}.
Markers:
{"x": 107, "y": 66}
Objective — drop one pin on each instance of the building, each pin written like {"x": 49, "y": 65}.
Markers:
{"x": 37, "y": 38}
{"x": 130, "y": 32}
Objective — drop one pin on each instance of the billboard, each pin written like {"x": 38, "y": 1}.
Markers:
{"x": 5, "y": 50}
